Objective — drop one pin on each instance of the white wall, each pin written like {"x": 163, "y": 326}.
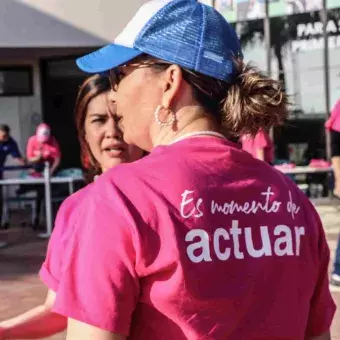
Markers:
{"x": 63, "y": 23}
{"x": 19, "y": 112}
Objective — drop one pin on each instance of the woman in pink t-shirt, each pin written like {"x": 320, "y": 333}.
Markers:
{"x": 102, "y": 148}
{"x": 333, "y": 125}
{"x": 198, "y": 240}
{"x": 261, "y": 146}
{"x": 41, "y": 148}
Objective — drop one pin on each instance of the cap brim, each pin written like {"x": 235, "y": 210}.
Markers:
{"x": 106, "y": 58}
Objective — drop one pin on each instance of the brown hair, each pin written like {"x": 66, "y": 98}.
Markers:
{"x": 91, "y": 88}
{"x": 252, "y": 102}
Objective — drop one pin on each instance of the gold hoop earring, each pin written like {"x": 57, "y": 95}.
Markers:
{"x": 166, "y": 123}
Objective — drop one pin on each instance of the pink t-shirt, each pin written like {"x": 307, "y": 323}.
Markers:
{"x": 261, "y": 141}
{"x": 50, "y": 150}
{"x": 333, "y": 123}
{"x": 198, "y": 240}
{"x": 52, "y": 268}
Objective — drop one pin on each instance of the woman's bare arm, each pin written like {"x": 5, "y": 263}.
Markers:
{"x": 35, "y": 323}
{"x": 55, "y": 165}
{"x": 78, "y": 330}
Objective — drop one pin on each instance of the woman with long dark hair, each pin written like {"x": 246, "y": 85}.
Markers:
{"x": 102, "y": 148}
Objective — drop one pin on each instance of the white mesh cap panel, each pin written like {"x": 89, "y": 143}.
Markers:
{"x": 129, "y": 34}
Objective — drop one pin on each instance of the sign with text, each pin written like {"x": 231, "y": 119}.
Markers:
{"x": 310, "y": 36}
{"x": 242, "y": 10}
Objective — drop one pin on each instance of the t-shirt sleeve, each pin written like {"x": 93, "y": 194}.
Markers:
{"x": 262, "y": 140}
{"x": 322, "y": 307}
{"x": 100, "y": 286}
{"x": 52, "y": 268}
{"x": 15, "y": 152}
{"x": 30, "y": 148}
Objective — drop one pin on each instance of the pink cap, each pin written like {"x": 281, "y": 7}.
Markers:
{"x": 43, "y": 133}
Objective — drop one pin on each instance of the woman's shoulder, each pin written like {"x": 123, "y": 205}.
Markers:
{"x": 68, "y": 212}
{"x": 70, "y": 204}
{"x": 78, "y": 195}
{"x": 32, "y": 139}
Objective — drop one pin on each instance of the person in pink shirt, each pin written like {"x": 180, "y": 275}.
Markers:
{"x": 198, "y": 240}
{"x": 261, "y": 146}
{"x": 41, "y": 148}
{"x": 333, "y": 125}
{"x": 101, "y": 148}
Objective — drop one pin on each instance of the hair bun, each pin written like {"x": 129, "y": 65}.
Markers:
{"x": 254, "y": 102}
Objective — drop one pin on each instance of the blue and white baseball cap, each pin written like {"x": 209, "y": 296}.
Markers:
{"x": 184, "y": 32}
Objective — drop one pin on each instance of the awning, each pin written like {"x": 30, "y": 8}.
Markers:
{"x": 62, "y": 23}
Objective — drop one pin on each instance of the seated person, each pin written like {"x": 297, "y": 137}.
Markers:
{"x": 8, "y": 146}
{"x": 41, "y": 148}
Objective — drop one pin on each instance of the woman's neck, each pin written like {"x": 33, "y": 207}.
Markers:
{"x": 188, "y": 121}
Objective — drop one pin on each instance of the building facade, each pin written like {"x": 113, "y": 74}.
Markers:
{"x": 39, "y": 41}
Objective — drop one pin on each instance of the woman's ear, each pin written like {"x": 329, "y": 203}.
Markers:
{"x": 172, "y": 82}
